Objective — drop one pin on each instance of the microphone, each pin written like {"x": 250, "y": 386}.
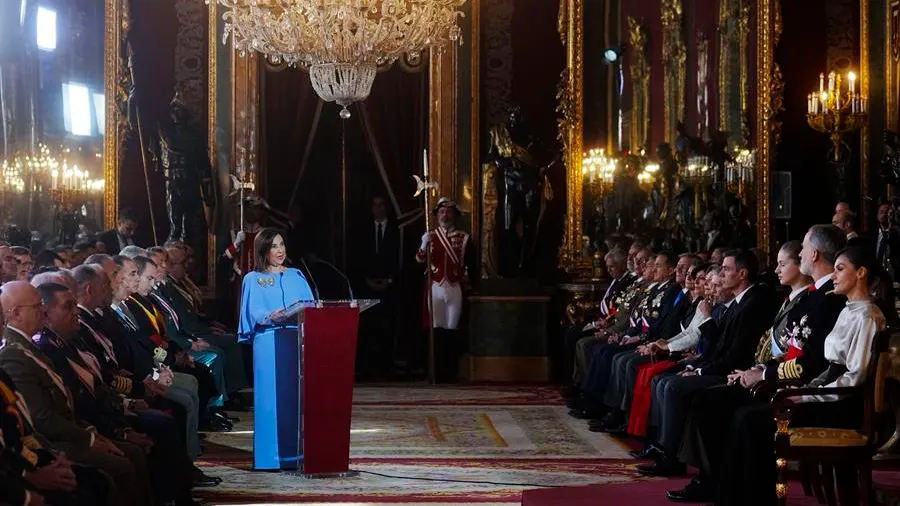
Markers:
{"x": 311, "y": 278}
{"x": 335, "y": 269}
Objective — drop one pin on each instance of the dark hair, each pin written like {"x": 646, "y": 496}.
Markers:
{"x": 20, "y": 250}
{"x": 694, "y": 259}
{"x": 792, "y": 249}
{"x": 142, "y": 263}
{"x": 97, "y": 259}
{"x": 84, "y": 275}
{"x": 262, "y": 244}
{"x": 671, "y": 257}
{"x": 744, "y": 259}
{"x": 126, "y": 214}
{"x": 46, "y": 258}
{"x": 697, "y": 269}
{"x": 880, "y": 284}
{"x": 83, "y": 246}
{"x": 61, "y": 248}
{"x": 48, "y": 291}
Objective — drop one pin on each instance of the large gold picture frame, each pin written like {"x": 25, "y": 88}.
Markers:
{"x": 115, "y": 68}
{"x": 769, "y": 101}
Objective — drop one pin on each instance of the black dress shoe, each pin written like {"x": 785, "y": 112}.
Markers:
{"x": 665, "y": 466}
{"x": 609, "y": 429}
{"x": 572, "y": 392}
{"x": 695, "y": 491}
{"x": 205, "y": 480}
{"x": 648, "y": 452}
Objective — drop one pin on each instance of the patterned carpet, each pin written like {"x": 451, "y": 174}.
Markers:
{"x": 407, "y": 442}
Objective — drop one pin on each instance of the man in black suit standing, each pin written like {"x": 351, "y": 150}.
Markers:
{"x": 886, "y": 242}
{"x": 846, "y": 221}
{"x": 116, "y": 239}
{"x": 376, "y": 273}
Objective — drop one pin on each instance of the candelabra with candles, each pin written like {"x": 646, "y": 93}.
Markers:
{"x": 836, "y": 111}
{"x": 600, "y": 171}
{"x": 740, "y": 171}
{"x": 647, "y": 177}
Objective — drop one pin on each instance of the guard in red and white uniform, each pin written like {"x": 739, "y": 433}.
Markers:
{"x": 448, "y": 248}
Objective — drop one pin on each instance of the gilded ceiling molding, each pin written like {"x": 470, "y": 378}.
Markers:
{"x": 640, "y": 72}
{"x": 675, "y": 62}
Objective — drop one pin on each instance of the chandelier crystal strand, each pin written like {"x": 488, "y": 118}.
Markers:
{"x": 341, "y": 42}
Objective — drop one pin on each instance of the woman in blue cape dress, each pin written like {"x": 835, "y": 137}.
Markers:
{"x": 266, "y": 293}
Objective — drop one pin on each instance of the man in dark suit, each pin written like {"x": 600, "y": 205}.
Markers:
{"x": 734, "y": 348}
{"x": 52, "y": 405}
{"x": 622, "y": 278}
{"x": 658, "y": 306}
{"x": 115, "y": 240}
{"x": 803, "y": 327}
{"x": 886, "y": 242}
{"x": 103, "y": 408}
{"x": 846, "y": 221}
{"x": 376, "y": 270}
{"x": 624, "y": 367}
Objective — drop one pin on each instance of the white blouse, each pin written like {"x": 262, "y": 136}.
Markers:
{"x": 850, "y": 344}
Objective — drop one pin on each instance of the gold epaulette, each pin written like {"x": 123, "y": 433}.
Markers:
{"x": 790, "y": 370}
{"x": 123, "y": 385}
{"x": 764, "y": 348}
{"x": 30, "y": 456}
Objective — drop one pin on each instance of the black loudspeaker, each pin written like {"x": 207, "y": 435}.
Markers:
{"x": 781, "y": 195}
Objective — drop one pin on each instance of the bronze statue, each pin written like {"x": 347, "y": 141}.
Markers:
{"x": 180, "y": 152}
{"x": 526, "y": 190}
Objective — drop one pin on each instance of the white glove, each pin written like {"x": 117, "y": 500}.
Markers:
{"x": 239, "y": 238}
{"x": 425, "y": 240}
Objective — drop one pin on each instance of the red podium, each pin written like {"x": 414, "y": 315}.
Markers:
{"x": 327, "y": 366}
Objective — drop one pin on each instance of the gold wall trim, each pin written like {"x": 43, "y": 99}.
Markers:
{"x": 640, "y": 72}
{"x": 117, "y": 19}
{"x": 765, "y": 46}
{"x": 443, "y": 154}
{"x": 864, "y": 131}
{"x": 475, "y": 117}
{"x": 744, "y": 48}
{"x": 571, "y": 126}
{"x": 675, "y": 63}
{"x": 211, "y": 137}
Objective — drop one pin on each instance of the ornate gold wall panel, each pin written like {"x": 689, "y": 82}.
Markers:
{"x": 571, "y": 126}
{"x": 640, "y": 72}
{"x": 675, "y": 64}
{"x": 116, "y": 80}
{"x": 443, "y": 139}
{"x": 770, "y": 87}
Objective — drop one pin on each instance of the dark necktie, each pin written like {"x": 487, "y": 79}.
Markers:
{"x": 882, "y": 246}
{"x": 379, "y": 235}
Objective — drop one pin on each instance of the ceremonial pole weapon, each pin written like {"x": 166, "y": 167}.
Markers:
{"x": 137, "y": 114}
{"x": 239, "y": 187}
{"x": 426, "y": 186}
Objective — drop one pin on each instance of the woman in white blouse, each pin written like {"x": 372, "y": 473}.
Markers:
{"x": 848, "y": 347}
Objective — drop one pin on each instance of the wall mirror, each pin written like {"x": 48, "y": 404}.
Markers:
{"x": 52, "y": 121}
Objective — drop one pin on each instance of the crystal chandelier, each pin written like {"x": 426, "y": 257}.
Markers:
{"x": 340, "y": 42}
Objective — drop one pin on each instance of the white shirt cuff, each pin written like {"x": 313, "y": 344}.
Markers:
{"x": 93, "y": 438}
{"x": 27, "y": 498}
{"x": 699, "y": 372}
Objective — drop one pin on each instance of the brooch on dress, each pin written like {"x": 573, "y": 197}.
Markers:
{"x": 264, "y": 282}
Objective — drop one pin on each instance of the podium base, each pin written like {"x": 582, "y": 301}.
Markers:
{"x": 324, "y": 476}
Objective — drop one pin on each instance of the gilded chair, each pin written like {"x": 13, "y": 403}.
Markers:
{"x": 831, "y": 456}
